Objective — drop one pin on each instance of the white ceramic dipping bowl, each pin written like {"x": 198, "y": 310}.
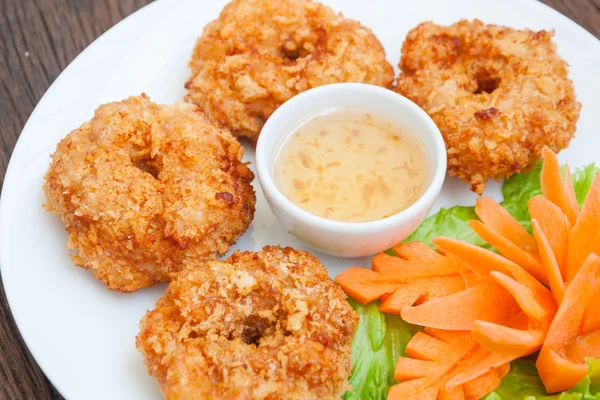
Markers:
{"x": 349, "y": 239}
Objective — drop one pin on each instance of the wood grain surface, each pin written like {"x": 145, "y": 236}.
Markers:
{"x": 38, "y": 39}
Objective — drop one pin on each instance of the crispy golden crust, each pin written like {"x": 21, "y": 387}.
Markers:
{"x": 260, "y": 53}
{"x": 498, "y": 95}
{"x": 142, "y": 186}
{"x": 265, "y": 325}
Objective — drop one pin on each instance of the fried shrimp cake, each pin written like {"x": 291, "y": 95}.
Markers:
{"x": 498, "y": 95}
{"x": 264, "y": 325}
{"x": 142, "y": 187}
{"x": 260, "y": 53}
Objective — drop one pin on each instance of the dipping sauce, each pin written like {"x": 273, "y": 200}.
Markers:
{"x": 351, "y": 166}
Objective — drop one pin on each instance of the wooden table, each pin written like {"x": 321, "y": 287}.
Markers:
{"x": 38, "y": 39}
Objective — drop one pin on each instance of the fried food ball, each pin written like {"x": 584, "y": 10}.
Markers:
{"x": 265, "y": 325}
{"x": 498, "y": 95}
{"x": 260, "y": 53}
{"x": 142, "y": 187}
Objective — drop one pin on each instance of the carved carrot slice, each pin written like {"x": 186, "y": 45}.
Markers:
{"x": 425, "y": 347}
{"x": 482, "y": 385}
{"x": 452, "y": 337}
{"x": 487, "y": 302}
{"x": 585, "y": 234}
{"x": 507, "y": 248}
{"x": 571, "y": 196}
{"x": 585, "y": 346}
{"x": 557, "y": 372}
{"x": 420, "y": 290}
{"x": 497, "y": 218}
{"x": 526, "y": 298}
{"x": 482, "y": 261}
{"x": 494, "y": 360}
{"x": 552, "y": 222}
{"x": 479, "y": 260}
{"x": 501, "y": 339}
{"x": 465, "y": 364}
{"x": 591, "y": 316}
{"x": 555, "y": 279}
{"x": 553, "y": 187}
{"x": 398, "y": 268}
{"x": 364, "y": 285}
{"x": 525, "y": 278}
{"x": 417, "y": 251}
{"x": 404, "y": 390}
{"x": 471, "y": 278}
{"x": 403, "y": 296}
{"x": 456, "y": 393}
{"x": 412, "y": 368}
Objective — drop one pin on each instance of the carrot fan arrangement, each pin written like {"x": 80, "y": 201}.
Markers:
{"x": 524, "y": 295}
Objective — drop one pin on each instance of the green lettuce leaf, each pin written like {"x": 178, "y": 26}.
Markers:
{"x": 582, "y": 181}
{"x": 518, "y": 190}
{"x": 451, "y": 222}
{"x": 381, "y": 338}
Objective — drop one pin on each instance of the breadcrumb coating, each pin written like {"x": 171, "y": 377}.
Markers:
{"x": 497, "y": 94}
{"x": 142, "y": 187}
{"x": 265, "y": 325}
{"x": 260, "y": 53}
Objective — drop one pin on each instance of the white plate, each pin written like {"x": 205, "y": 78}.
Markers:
{"x": 81, "y": 334}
